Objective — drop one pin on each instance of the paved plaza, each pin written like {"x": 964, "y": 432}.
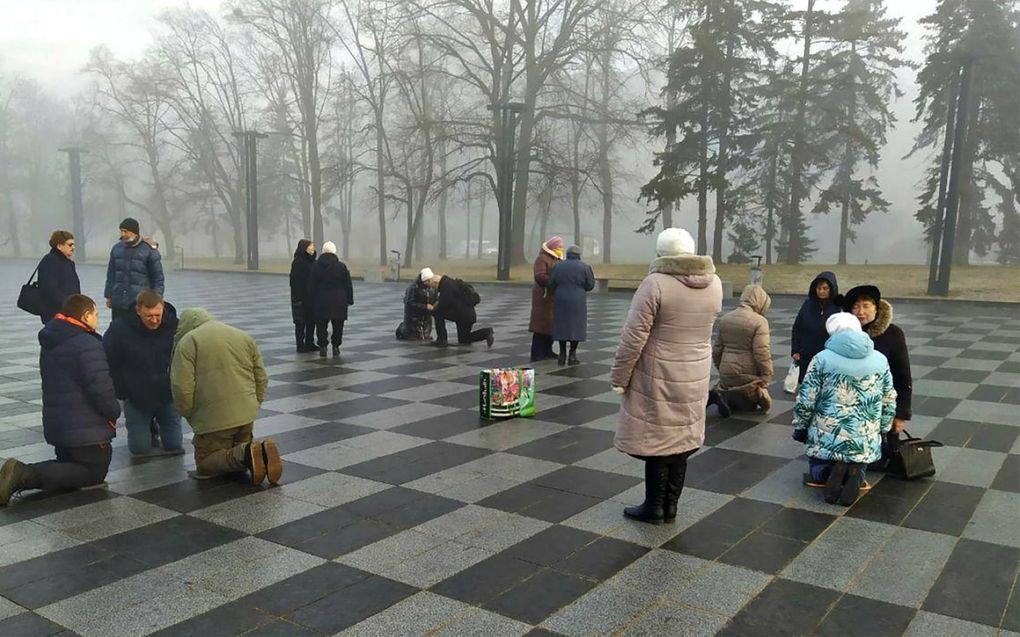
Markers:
{"x": 401, "y": 513}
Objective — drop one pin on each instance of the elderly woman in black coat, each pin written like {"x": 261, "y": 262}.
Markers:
{"x": 58, "y": 278}
{"x": 571, "y": 280}
{"x": 300, "y": 296}
{"x": 809, "y": 333}
{"x": 332, "y": 292}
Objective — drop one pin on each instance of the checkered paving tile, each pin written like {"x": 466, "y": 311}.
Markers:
{"x": 402, "y": 513}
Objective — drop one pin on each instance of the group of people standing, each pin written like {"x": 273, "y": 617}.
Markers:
{"x": 559, "y": 305}
{"x": 161, "y": 366}
{"x": 321, "y": 292}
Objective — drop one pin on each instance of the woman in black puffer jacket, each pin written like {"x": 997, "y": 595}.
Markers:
{"x": 809, "y": 333}
{"x": 300, "y": 296}
{"x": 331, "y": 294}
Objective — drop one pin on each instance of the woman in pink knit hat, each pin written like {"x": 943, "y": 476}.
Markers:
{"x": 541, "y": 323}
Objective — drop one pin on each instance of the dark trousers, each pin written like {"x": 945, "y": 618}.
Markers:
{"x": 74, "y": 468}
{"x": 304, "y": 333}
{"x": 541, "y": 346}
{"x": 337, "y": 339}
{"x": 464, "y": 333}
{"x": 563, "y": 347}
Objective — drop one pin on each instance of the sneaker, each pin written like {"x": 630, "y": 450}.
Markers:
{"x": 273, "y": 463}
{"x": 12, "y": 476}
{"x": 256, "y": 462}
{"x": 336, "y": 351}
{"x": 808, "y": 481}
{"x": 490, "y": 338}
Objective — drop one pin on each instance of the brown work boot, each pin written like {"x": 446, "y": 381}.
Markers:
{"x": 764, "y": 400}
{"x": 255, "y": 460}
{"x": 12, "y": 477}
{"x": 273, "y": 463}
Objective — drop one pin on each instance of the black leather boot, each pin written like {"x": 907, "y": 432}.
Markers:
{"x": 561, "y": 360}
{"x": 716, "y": 398}
{"x": 676, "y": 474}
{"x": 651, "y": 510}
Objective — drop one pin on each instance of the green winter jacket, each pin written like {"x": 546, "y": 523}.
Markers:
{"x": 217, "y": 375}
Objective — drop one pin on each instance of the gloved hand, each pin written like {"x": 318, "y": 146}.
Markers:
{"x": 619, "y": 390}
{"x": 800, "y": 435}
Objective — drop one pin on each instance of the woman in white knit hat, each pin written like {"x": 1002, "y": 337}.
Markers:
{"x": 332, "y": 293}
{"x": 844, "y": 405}
{"x": 663, "y": 369}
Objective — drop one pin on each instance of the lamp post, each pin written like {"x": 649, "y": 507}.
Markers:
{"x": 249, "y": 170}
{"x": 77, "y": 209}
{"x": 505, "y": 159}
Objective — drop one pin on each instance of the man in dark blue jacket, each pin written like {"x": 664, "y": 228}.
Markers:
{"x": 80, "y": 408}
{"x": 138, "y": 349}
{"x": 134, "y": 266}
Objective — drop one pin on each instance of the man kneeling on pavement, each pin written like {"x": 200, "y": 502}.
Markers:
{"x": 218, "y": 382}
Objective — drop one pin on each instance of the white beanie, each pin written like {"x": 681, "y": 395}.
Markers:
{"x": 674, "y": 242}
{"x": 426, "y": 275}
{"x": 329, "y": 248}
{"x": 842, "y": 322}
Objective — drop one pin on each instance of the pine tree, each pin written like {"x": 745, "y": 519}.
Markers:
{"x": 1009, "y": 200}
{"x": 860, "y": 67}
{"x": 746, "y": 237}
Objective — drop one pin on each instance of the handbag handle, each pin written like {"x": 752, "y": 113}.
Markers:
{"x": 34, "y": 272}
{"x": 933, "y": 443}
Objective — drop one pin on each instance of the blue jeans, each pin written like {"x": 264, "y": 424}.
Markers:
{"x": 820, "y": 469}
{"x": 139, "y": 434}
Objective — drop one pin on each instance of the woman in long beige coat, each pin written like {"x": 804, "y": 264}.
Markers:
{"x": 743, "y": 355}
{"x": 663, "y": 367}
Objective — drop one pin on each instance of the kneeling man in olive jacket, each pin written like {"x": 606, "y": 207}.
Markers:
{"x": 218, "y": 382}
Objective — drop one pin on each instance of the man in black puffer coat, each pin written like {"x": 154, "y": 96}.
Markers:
{"x": 134, "y": 266}
{"x": 452, "y": 304}
{"x": 80, "y": 408}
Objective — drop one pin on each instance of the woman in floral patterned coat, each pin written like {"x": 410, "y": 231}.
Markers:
{"x": 844, "y": 405}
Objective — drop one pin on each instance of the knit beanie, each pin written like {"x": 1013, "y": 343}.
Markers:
{"x": 131, "y": 225}
{"x": 426, "y": 275}
{"x": 674, "y": 242}
{"x": 329, "y": 248}
{"x": 842, "y": 322}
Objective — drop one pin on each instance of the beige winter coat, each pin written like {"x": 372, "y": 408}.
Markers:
{"x": 742, "y": 351}
{"x": 664, "y": 360}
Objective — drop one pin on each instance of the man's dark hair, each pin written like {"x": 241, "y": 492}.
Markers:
{"x": 148, "y": 299}
{"x": 60, "y": 237}
{"x": 77, "y": 306}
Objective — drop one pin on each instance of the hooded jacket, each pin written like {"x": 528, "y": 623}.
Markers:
{"x": 139, "y": 359}
{"x": 569, "y": 284}
{"x": 450, "y": 303}
{"x": 891, "y": 342}
{"x": 133, "y": 267}
{"x": 80, "y": 406}
{"x": 217, "y": 376}
{"x": 58, "y": 279}
{"x": 742, "y": 351}
{"x": 847, "y": 401}
{"x": 300, "y": 292}
{"x": 809, "y": 335}
{"x": 664, "y": 359}
{"x": 541, "y": 321}
{"x": 331, "y": 289}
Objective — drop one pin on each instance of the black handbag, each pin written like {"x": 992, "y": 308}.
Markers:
{"x": 31, "y": 297}
{"x": 911, "y": 459}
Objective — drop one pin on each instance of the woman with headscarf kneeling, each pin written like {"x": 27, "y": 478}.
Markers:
{"x": 844, "y": 405}
{"x": 663, "y": 369}
{"x": 743, "y": 355}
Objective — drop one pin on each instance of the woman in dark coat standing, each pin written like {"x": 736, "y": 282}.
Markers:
{"x": 570, "y": 282}
{"x": 331, "y": 293}
{"x": 541, "y": 323}
{"x": 300, "y": 296}
{"x": 58, "y": 278}
{"x": 876, "y": 316}
{"x": 809, "y": 333}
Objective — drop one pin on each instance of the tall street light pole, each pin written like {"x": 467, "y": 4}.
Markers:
{"x": 249, "y": 162}
{"x": 74, "y": 154}
{"x": 505, "y": 163}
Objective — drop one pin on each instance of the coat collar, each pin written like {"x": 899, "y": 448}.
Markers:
{"x": 883, "y": 319}
{"x": 686, "y": 265}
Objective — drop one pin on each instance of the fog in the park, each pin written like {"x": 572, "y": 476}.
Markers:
{"x": 807, "y": 130}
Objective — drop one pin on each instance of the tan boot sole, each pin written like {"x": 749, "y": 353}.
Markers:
{"x": 274, "y": 465}
{"x": 258, "y": 465}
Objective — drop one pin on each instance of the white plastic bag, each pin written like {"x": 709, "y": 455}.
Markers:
{"x": 790, "y": 382}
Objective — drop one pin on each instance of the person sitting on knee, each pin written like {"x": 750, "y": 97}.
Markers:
{"x": 844, "y": 406}
{"x": 743, "y": 355}
{"x": 80, "y": 407}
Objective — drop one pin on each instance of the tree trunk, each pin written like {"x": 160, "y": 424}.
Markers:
{"x": 793, "y": 219}
{"x": 481, "y": 220}
{"x": 522, "y": 167}
{"x": 970, "y": 197}
{"x": 605, "y": 165}
{"x": 770, "y": 206}
{"x": 703, "y": 186}
{"x": 380, "y": 182}
{"x": 847, "y": 169}
{"x": 441, "y": 208}
{"x": 467, "y": 219}
{"x": 666, "y": 209}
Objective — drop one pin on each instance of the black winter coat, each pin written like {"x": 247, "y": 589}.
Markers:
{"x": 80, "y": 406}
{"x": 571, "y": 281}
{"x": 300, "y": 285}
{"x": 451, "y": 304}
{"x": 58, "y": 279}
{"x": 139, "y": 359}
{"x": 417, "y": 323}
{"x": 809, "y": 334}
{"x": 890, "y": 340}
{"x": 132, "y": 268}
{"x": 330, "y": 289}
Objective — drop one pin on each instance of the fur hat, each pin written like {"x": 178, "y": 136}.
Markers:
{"x": 426, "y": 275}
{"x": 842, "y": 322}
{"x": 329, "y": 248}
{"x": 856, "y": 293}
{"x": 674, "y": 242}
{"x": 131, "y": 225}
